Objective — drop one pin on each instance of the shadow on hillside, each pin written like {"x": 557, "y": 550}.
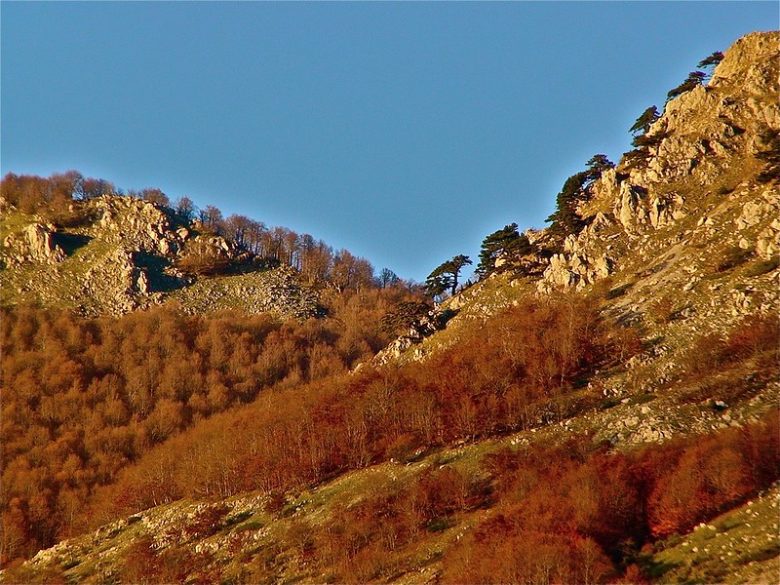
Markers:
{"x": 70, "y": 242}
{"x": 155, "y": 269}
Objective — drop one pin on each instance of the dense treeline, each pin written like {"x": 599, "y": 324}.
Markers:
{"x": 315, "y": 422}
{"x": 84, "y": 398}
{"x": 523, "y": 373}
{"x": 51, "y": 196}
{"x": 577, "y": 511}
{"x": 62, "y": 197}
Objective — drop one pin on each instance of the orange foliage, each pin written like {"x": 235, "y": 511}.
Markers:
{"x": 155, "y": 386}
{"x": 306, "y": 433}
{"x": 563, "y": 514}
{"x": 713, "y": 474}
{"x": 82, "y": 399}
{"x": 755, "y": 337}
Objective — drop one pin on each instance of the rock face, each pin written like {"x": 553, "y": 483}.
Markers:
{"x": 574, "y": 270}
{"x": 144, "y": 225}
{"x": 276, "y": 291}
{"x": 210, "y": 247}
{"x": 33, "y": 244}
{"x": 119, "y": 284}
{"x": 704, "y": 146}
{"x": 689, "y": 232}
{"x": 435, "y": 320}
{"x": 727, "y": 118}
{"x": 768, "y": 243}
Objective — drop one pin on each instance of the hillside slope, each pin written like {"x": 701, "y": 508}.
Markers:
{"x": 688, "y": 238}
{"x": 680, "y": 248}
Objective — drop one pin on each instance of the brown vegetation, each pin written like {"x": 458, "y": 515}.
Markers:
{"x": 522, "y": 374}
{"x": 84, "y": 398}
{"x": 578, "y": 514}
{"x": 575, "y": 512}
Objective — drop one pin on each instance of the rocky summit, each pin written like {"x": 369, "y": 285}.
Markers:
{"x": 693, "y": 231}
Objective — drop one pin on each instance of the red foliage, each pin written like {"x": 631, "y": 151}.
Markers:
{"x": 304, "y": 434}
{"x": 755, "y": 337}
{"x": 563, "y": 512}
{"x": 713, "y": 474}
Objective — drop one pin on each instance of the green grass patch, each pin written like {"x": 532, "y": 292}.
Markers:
{"x": 70, "y": 563}
{"x": 440, "y": 524}
{"x": 237, "y": 518}
{"x": 13, "y": 222}
{"x": 728, "y": 523}
{"x": 765, "y": 553}
{"x": 251, "y": 525}
{"x": 618, "y": 291}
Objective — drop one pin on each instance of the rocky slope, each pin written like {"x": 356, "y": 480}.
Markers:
{"x": 677, "y": 247}
{"x": 129, "y": 254}
{"x": 681, "y": 245}
{"x": 690, "y": 237}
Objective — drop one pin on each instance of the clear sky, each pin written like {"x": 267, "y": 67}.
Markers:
{"x": 403, "y": 131}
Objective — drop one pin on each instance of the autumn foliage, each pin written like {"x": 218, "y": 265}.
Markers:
{"x": 525, "y": 373}
{"x": 83, "y": 399}
{"x": 574, "y": 512}
{"x": 577, "y": 513}
{"x": 108, "y": 417}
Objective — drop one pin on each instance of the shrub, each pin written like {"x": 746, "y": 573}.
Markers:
{"x": 706, "y": 479}
{"x": 203, "y": 262}
{"x": 275, "y": 503}
{"x": 207, "y": 521}
{"x": 618, "y": 291}
{"x": 754, "y": 335}
{"x": 662, "y": 310}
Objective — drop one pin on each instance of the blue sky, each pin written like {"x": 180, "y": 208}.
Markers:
{"x": 404, "y": 132}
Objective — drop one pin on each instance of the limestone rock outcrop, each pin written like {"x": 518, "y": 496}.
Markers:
{"x": 705, "y": 137}
{"x": 144, "y": 225}
{"x": 126, "y": 254}
{"x": 35, "y": 243}
{"x": 435, "y": 320}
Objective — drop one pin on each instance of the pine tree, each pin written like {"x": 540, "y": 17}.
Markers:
{"x": 565, "y": 220}
{"x": 507, "y": 243}
{"x": 597, "y": 164}
{"x": 445, "y": 276}
{"x": 456, "y": 265}
{"x": 643, "y": 122}
{"x": 694, "y": 79}
{"x": 711, "y": 61}
{"x": 402, "y": 315}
